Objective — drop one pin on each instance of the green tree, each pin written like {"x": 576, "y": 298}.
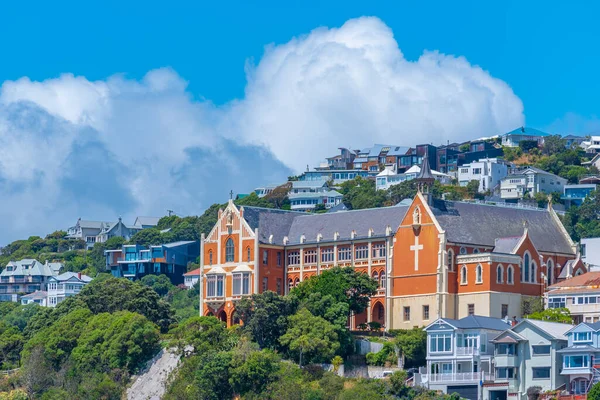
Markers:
{"x": 203, "y": 334}
{"x": 147, "y": 237}
{"x": 465, "y": 147}
{"x": 265, "y": 317}
{"x": 401, "y": 191}
{"x": 412, "y": 345}
{"x": 122, "y": 340}
{"x": 345, "y": 285}
{"x": 553, "y": 314}
{"x": 527, "y": 145}
{"x": 11, "y": 344}
{"x": 361, "y": 193}
{"x": 118, "y": 294}
{"x": 161, "y": 284}
{"x": 253, "y": 372}
{"x": 473, "y": 188}
{"x": 554, "y": 144}
{"x": 309, "y": 337}
{"x": 594, "y": 393}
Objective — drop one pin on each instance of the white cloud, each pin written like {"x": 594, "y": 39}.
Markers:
{"x": 71, "y": 147}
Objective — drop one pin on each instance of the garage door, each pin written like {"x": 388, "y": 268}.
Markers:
{"x": 466, "y": 392}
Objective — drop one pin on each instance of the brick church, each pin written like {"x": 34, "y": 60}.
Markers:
{"x": 431, "y": 258}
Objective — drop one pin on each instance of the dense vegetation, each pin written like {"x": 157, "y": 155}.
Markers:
{"x": 307, "y": 327}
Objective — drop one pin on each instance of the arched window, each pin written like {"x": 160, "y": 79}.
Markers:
{"x": 533, "y": 272}
{"x": 229, "y": 250}
{"x": 479, "y": 274}
{"x": 475, "y": 251}
{"x": 382, "y": 280}
{"x": 450, "y": 260}
{"x": 550, "y": 268}
{"x": 296, "y": 282}
{"x": 463, "y": 274}
{"x": 290, "y": 284}
{"x": 210, "y": 259}
{"x": 376, "y": 276}
{"x": 499, "y": 274}
{"x": 463, "y": 250}
{"x": 525, "y": 269}
{"x": 248, "y": 254}
{"x": 509, "y": 275}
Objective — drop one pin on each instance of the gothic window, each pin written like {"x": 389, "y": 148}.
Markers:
{"x": 376, "y": 276}
{"x": 382, "y": 280}
{"x": 229, "y": 250}
{"x": 479, "y": 274}
{"x": 533, "y": 277}
{"x": 450, "y": 260}
{"x": 510, "y": 275}
{"x": 248, "y": 254}
{"x": 417, "y": 216}
{"x": 525, "y": 269}
{"x": 210, "y": 258}
{"x": 499, "y": 274}
{"x": 463, "y": 274}
{"x": 550, "y": 267}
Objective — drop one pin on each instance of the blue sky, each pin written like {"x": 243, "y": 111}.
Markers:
{"x": 111, "y": 109}
{"x": 544, "y": 50}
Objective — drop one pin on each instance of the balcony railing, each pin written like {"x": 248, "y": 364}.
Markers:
{"x": 467, "y": 351}
{"x": 459, "y": 377}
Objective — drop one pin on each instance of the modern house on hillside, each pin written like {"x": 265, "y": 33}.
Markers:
{"x": 100, "y": 231}
{"x": 191, "y": 278}
{"x": 527, "y": 355}
{"x": 580, "y": 294}
{"x": 65, "y": 285}
{"x": 460, "y": 354}
{"x": 532, "y": 181}
{"x": 514, "y": 137}
{"x": 135, "y": 261}
{"x": 487, "y": 171}
{"x": 24, "y": 277}
{"x": 574, "y": 195}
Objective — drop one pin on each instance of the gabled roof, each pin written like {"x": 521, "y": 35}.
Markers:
{"x": 478, "y": 322}
{"x": 508, "y": 336}
{"x": 270, "y": 221}
{"x": 151, "y": 221}
{"x": 480, "y": 224}
{"x": 308, "y": 184}
{"x": 91, "y": 224}
{"x": 567, "y": 269}
{"x": 581, "y": 281}
{"x": 398, "y": 151}
{"x": 66, "y": 276}
{"x": 27, "y": 267}
{"x": 507, "y": 245}
{"x": 195, "y": 272}
{"x": 338, "y": 208}
{"x": 527, "y": 132}
{"x": 555, "y": 329}
{"x": 37, "y": 295}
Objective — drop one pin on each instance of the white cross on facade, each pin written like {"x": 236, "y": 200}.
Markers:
{"x": 416, "y": 247}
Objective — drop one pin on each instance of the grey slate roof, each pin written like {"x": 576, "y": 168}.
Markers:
{"x": 281, "y": 223}
{"x": 37, "y": 295}
{"x": 338, "y": 208}
{"x": 478, "y": 322}
{"x": 27, "y": 267}
{"x": 270, "y": 221}
{"x": 481, "y": 224}
{"x": 344, "y": 222}
{"x": 68, "y": 275}
{"x": 152, "y": 221}
{"x": 506, "y": 245}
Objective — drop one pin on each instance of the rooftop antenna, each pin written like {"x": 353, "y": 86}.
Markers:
{"x": 170, "y": 212}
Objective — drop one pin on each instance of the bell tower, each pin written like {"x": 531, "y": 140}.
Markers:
{"x": 425, "y": 179}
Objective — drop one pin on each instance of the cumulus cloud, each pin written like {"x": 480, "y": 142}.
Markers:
{"x": 72, "y": 147}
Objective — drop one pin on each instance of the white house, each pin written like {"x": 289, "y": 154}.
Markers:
{"x": 592, "y": 145}
{"x": 191, "y": 278}
{"x": 590, "y": 252}
{"x": 514, "y": 137}
{"x": 65, "y": 285}
{"x": 531, "y": 180}
{"x": 38, "y": 297}
{"x": 307, "y": 201}
{"x": 488, "y": 171}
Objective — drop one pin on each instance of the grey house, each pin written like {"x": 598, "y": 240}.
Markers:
{"x": 25, "y": 277}
{"x": 527, "y": 355}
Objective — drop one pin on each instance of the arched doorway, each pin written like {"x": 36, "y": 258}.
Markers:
{"x": 234, "y": 318}
{"x": 378, "y": 313}
{"x": 223, "y": 316}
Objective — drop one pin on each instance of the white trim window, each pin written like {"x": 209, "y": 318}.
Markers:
{"x": 241, "y": 283}
{"x": 310, "y": 256}
{"x": 294, "y": 257}
{"x": 510, "y": 275}
{"x": 479, "y": 274}
{"x": 582, "y": 337}
{"x": 362, "y": 252}
{"x": 440, "y": 343}
{"x": 344, "y": 253}
{"x": 327, "y": 255}
{"x": 215, "y": 285}
{"x": 499, "y": 274}
{"x": 379, "y": 250}
{"x": 463, "y": 275}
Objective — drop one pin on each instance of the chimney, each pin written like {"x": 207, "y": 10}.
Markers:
{"x": 514, "y": 321}
{"x": 79, "y": 275}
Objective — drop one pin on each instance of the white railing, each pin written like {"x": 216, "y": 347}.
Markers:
{"x": 467, "y": 351}
{"x": 457, "y": 377}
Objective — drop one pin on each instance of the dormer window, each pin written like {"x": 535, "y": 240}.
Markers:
{"x": 580, "y": 337}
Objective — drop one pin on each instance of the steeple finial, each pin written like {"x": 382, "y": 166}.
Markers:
{"x": 425, "y": 178}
